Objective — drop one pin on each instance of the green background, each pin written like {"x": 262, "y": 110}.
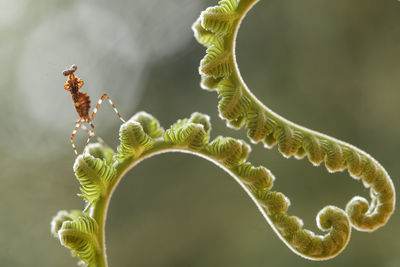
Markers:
{"x": 332, "y": 66}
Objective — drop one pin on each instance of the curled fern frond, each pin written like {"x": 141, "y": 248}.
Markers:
{"x": 99, "y": 151}
{"x": 202, "y": 119}
{"x": 289, "y": 139}
{"x": 94, "y": 175}
{"x": 365, "y": 216}
{"x": 233, "y": 103}
{"x": 217, "y": 62}
{"x": 80, "y": 235}
{"x": 255, "y": 177}
{"x": 150, "y": 125}
{"x": 239, "y": 107}
{"x": 84, "y": 233}
{"x": 61, "y": 217}
{"x": 219, "y": 19}
{"x": 99, "y": 169}
{"x": 209, "y": 83}
{"x": 305, "y": 242}
{"x": 290, "y": 228}
{"x": 312, "y": 147}
{"x": 258, "y": 126}
{"x": 229, "y": 151}
{"x": 334, "y": 158}
{"x": 134, "y": 140}
{"x": 191, "y": 135}
{"x": 203, "y": 36}
{"x": 238, "y": 122}
{"x": 272, "y": 201}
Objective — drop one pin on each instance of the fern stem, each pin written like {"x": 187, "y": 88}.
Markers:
{"x": 99, "y": 213}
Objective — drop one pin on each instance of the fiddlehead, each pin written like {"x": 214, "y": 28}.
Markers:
{"x": 94, "y": 175}
{"x": 187, "y": 134}
{"x": 217, "y": 31}
{"x": 99, "y": 170}
{"x": 78, "y": 232}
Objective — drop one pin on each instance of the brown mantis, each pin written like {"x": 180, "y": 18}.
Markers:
{"x": 82, "y": 105}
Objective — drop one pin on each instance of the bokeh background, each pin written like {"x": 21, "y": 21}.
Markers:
{"x": 332, "y": 66}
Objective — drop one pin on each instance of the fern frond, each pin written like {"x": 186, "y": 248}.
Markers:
{"x": 209, "y": 83}
{"x": 240, "y": 107}
{"x": 150, "y": 125}
{"x": 354, "y": 162}
{"x": 61, "y": 217}
{"x": 219, "y": 19}
{"x": 202, "y": 119}
{"x": 191, "y": 135}
{"x": 302, "y": 241}
{"x": 229, "y": 151}
{"x": 300, "y": 153}
{"x": 258, "y": 126}
{"x": 255, "y": 177}
{"x": 94, "y": 175}
{"x": 80, "y": 235}
{"x": 334, "y": 158}
{"x": 134, "y": 140}
{"x": 289, "y": 140}
{"x": 80, "y": 232}
{"x": 272, "y": 201}
{"x": 237, "y": 123}
{"x": 99, "y": 169}
{"x": 233, "y": 103}
{"x": 216, "y": 63}
{"x": 99, "y": 151}
{"x": 203, "y": 36}
{"x": 312, "y": 146}
{"x": 305, "y": 242}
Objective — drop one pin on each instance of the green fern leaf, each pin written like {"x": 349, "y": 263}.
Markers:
{"x": 80, "y": 235}
{"x": 289, "y": 140}
{"x": 191, "y": 135}
{"x": 202, "y": 119}
{"x": 274, "y": 202}
{"x": 237, "y": 123}
{"x": 94, "y": 175}
{"x": 258, "y": 177}
{"x": 233, "y": 103}
{"x": 270, "y": 141}
{"x": 150, "y": 125}
{"x": 354, "y": 162}
{"x": 209, "y": 83}
{"x": 134, "y": 140}
{"x": 99, "y": 151}
{"x": 203, "y": 36}
{"x": 229, "y": 151}
{"x": 61, "y": 217}
{"x": 216, "y": 62}
{"x": 330, "y": 219}
{"x": 300, "y": 153}
{"x": 258, "y": 126}
{"x": 334, "y": 158}
{"x": 312, "y": 146}
{"x": 219, "y": 19}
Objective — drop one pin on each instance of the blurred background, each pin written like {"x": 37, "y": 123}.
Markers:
{"x": 332, "y": 66}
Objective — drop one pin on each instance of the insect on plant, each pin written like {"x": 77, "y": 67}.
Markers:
{"x": 100, "y": 170}
{"x": 82, "y": 105}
